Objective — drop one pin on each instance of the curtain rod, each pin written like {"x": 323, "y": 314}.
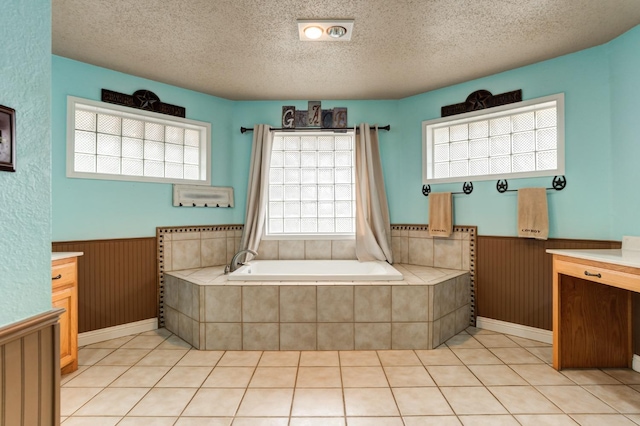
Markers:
{"x": 312, "y": 129}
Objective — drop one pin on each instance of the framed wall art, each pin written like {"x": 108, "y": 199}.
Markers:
{"x": 7, "y": 139}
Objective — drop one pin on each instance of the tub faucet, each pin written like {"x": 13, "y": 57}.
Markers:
{"x": 235, "y": 264}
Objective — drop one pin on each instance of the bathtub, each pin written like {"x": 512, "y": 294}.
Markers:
{"x": 315, "y": 270}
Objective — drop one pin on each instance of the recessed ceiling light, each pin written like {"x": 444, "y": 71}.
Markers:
{"x": 336, "y": 31}
{"x": 313, "y": 32}
{"x": 325, "y": 29}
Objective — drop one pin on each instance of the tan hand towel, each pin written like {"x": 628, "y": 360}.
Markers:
{"x": 533, "y": 216}
{"x": 440, "y": 214}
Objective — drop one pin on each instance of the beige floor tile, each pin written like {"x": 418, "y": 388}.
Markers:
{"x": 636, "y": 387}
{"x": 441, "y": 356}
{"x": 97, "y": 376}
{"x": 359, "y": 359}
{"x": 71, "y": 399}
{"x": 266, "y": 402}
{"x": 148, "y": 421}
{"x": 621, "y": 397}
{"x": 68, "y": 377}
{"x": 204, "y": 421}
{"x": 523, "y": 400}
{"x": 477, "y": 356}
{"x": 317, "y": 402}
{"x": 113, "y": 402}
{"x": 369, "y": 402}
{"x": 274, "y": 377}
{"x": 124, "y": 357}
{"x": 421, "y": 402}
{"x": 144, "y": 342}
{"x": 197, "y": 358}
{"x": 495, "y": 341}
{"x": 398, "y": 358}
{"x": 165, "y": 357}
{"x": 516, "y": 356}
{"x": 464, "y": 341}
{"x": 408, "y": 377}
{"x": 163, "y": 402}
{"x": 472, "y": 400}
{"x": 432, "y": 421}
{"x": 364, "y": 377}
{"x": 136, "y": 377}
{"x": 545, "y": 420}
{"x": 279, "y": 359}
{"x": 541, "y": 374}
{"x": 528, "y": 343}
{"x": 214, "y": 403}
{"x": 174, "y": 342}
{"x": 574, "y": 399}
{"x": 184, "y": 377}
{"x": 497, "y": 375}
{"x": 453, "y": 375}
{"x": 240, "y": 359}
{"x": 625, "y": 375}
{"x": 229, "y": 377}
{"x": 93, "y": 421}
{"x": 319, "y": 377}
{"x": 490, "y": 420}
{"x": 91, "y": 356}
{"x": 110, "y": 344}
{"x": 158, "y": 332}
{"x": 634, "y": 418}
{"x": 374, "y": 421}
{"x": 261, "y": 421}
{"x": 602, "y": 420}
{"x": 544, "y": 353}
{"x": 590, "y": 377}
{"x": 319, "y": 359}
{"x": 317, "y": 421}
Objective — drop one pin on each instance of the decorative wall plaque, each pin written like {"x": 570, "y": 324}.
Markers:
{"x": 288, "y": 117}
{"x": 7, "y": 139}
{"x": 340, "y": 118}
{"x": 482, "y": 99}
{"x": 301, "y": 118}
{"x": 143, "y": 99}
{"x": 327, "y": 118}
{"x": 314, "y": 114}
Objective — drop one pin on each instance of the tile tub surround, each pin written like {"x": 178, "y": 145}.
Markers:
{"x": 214, "y": 245}
{"x": 420, "y": 312}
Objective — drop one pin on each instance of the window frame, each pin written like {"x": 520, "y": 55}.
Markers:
{"x": 501, "y": 111}
{"x": 315, "y": 236}
{"x": 147, "y": 116}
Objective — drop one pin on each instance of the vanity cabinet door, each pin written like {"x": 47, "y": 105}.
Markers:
{"x": 65, "y": 296}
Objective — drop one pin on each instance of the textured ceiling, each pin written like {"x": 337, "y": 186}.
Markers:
{"x": 243, "y": 49}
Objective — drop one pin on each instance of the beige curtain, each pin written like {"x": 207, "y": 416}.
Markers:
{"x": 373, "y": 229}
{"x": 257, "y": 188}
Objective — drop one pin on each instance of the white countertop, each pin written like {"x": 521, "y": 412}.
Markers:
{"x": 65, "y": 255}
{"x": 614, "y": 256}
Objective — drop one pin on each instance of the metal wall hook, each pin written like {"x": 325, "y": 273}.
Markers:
{"x": 558, "y": 183}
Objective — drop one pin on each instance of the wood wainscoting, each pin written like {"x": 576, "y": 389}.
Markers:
{"x": 30, "y": 371}
{"x": 513, "y": 279}
{"x": 116, "y": 281}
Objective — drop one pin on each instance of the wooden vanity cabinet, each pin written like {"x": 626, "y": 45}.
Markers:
{"x": 64, "y": 282}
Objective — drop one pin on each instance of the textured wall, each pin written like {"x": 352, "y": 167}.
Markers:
{"x": 25, "y": 196}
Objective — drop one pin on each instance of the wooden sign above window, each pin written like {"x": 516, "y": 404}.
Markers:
{"x": 143, "y": 99}
{"x": 482, "y": 99}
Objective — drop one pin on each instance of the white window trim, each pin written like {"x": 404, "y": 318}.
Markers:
{"x": 427, "y": 144}
{"x": 205, "y": 152}
{"x": 318, "y": 236}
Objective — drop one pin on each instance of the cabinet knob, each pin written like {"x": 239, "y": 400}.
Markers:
{"x": 57, "y": 277}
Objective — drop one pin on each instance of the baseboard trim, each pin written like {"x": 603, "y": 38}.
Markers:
{"x": 95, "y": 336}
{"x": 518, "y": 330}
{"x": 636, "y": 363}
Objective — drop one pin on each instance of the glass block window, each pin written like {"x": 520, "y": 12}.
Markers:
{"x": 106, "y": 141}
{"x": 311, "y": 185}
{"x": 524, "y": 139}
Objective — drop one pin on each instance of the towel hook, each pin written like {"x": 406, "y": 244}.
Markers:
{"x": 467, "y": 188}
{"x": 558, "y": 183}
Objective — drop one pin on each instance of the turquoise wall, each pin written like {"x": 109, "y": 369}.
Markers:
{"x": 625, "y": 134}
{"x": 599, "y": 84}
{"x": 85, "y": 209}
{"x": 25, "y": 196}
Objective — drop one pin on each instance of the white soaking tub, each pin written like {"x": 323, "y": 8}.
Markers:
{"x": 315, "y": 270}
